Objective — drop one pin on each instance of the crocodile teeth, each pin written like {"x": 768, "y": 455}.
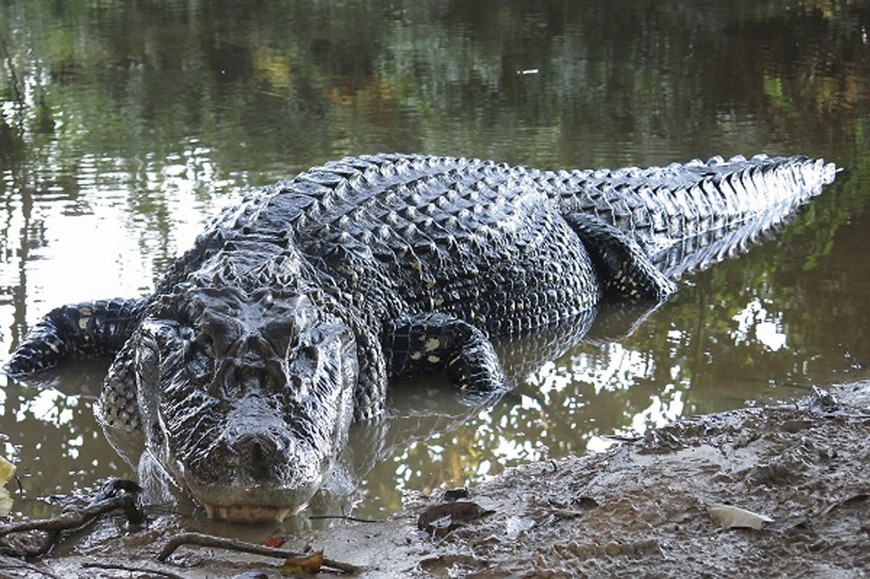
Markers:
{"x": 247, "y": 513}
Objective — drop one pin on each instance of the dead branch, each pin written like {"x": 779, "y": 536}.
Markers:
{"x": 204, "y": 540}
{"x": 69, "y": 520}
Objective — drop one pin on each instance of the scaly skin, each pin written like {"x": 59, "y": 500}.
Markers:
{"x": 294, "y": 309}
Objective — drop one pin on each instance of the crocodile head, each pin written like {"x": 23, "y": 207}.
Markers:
{"x": 246, "y": 398}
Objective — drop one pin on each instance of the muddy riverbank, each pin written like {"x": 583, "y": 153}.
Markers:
{"x": 646, "y": 507}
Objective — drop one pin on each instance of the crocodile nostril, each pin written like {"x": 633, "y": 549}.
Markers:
{"x": 256, "y": 446}
{"x": 258, "y": 454}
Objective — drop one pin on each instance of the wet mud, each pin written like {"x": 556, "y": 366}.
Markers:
{"x": 774, "y": 491}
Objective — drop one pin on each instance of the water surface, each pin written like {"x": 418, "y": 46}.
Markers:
{"x": 125, "y": 125}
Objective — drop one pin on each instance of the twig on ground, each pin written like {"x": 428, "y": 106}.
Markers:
{"x": 15, "y": 567}
{"x": 138, "y": 569}
{"x": 343, "y": 518}
{"x": 235, "y": 545}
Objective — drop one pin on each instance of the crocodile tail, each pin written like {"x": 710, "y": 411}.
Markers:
{"x": 689, "y": 216}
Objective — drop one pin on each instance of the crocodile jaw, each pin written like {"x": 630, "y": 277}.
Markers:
{"x": 248, "y": 513}
{"x": 251, "y": 503}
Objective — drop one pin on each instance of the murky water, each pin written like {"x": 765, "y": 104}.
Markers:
{"x": 124, "y": 126}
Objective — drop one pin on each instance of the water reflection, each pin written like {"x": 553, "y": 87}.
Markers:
{"x": 126, "y": 125}
{"x": 755, "y": 323}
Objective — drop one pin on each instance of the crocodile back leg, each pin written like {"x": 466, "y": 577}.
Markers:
{"x": 622, "y": 266}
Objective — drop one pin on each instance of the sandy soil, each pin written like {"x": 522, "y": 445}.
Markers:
{"x": 643, "y": 508}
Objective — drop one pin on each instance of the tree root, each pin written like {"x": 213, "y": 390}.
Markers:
{"x": 105, "y": 502}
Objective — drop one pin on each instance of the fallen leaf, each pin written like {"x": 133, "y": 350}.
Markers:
{"x": 303, "y": 564}
{"x": 7, "y": 469}
{"x": 453, "y": 495}
{"x": 735, "y": 517}
{"x": 440, "y": 519}
{"x": 276, "y": 541}
{"x": 6, "y": 502}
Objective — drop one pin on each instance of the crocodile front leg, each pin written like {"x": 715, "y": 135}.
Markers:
{"x": 99, "y": 327}
{"x": 426, "y": 342}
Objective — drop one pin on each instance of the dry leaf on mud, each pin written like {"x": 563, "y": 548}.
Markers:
{"x": 737, "y": 518}
{"x": 7, "y": 469}
{"x": 440, "y": 519}
{"x": 275, "y": 542}
{"x": 453, "y": 495}
{"x": 6, "y": 502}
{"x": 303, "y": 565}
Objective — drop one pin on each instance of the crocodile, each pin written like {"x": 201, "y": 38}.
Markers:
{"x": 297, "y": 306}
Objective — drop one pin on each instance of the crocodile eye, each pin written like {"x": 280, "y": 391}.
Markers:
{"x": 305, "y": 362}
{"x": 312, "y": 352}
{"x": 156, "y": 343}
{"x": 148, "y": 361}
{"x": 199, "y": 365}
{"x": 280, "y": 335}
{"x": 203, "y": 343}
